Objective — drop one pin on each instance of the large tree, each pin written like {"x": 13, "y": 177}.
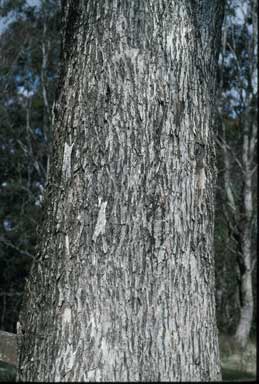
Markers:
{"x": 122, "y": 286}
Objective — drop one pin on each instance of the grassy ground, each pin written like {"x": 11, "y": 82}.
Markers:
{"x": 236, "y": 375}
{"x": 235, "y": 366}
{"x": 7, "y": 372}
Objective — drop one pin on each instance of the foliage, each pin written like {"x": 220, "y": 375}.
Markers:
{"x": 25, "y": 136}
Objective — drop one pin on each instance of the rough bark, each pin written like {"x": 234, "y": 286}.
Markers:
{"x": 123, "y": 284}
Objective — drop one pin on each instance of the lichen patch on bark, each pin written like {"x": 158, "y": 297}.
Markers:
{"x": 66, "y": 167}
{"x": 101, "y": 221}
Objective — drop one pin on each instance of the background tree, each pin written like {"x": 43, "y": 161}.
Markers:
{"x": 29, "y": 51}
{"x": 122, "y": 287}
{"x": 237, "y": 161}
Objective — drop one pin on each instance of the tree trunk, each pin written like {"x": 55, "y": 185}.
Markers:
{"x": 245, "y": 260}
{"x": 122, "y": 288}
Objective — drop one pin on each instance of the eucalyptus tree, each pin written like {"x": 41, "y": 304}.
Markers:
{"x": 122, "y": 286}
{"x": 237, "y": 142}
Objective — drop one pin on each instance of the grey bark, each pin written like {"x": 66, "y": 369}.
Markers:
{"x": 123, "y": 284}
{"x": 44, "y": 80}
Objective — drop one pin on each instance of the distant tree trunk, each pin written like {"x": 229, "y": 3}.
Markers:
{"x": 247, "y": 263}
{"x": 239, "y": 215}
{"x": 245, "y": 259}
{"x": 123, "y": 283}
{"x": 239, "y": 210}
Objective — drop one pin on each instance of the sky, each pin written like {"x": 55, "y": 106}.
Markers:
{"x": 4, "y": 21}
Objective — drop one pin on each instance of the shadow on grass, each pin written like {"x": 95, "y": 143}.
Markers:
{"x": 235, "y": 375}
{"x": 7, "y": 372}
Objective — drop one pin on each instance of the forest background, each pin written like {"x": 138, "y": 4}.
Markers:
{"x": 29, "y": 67}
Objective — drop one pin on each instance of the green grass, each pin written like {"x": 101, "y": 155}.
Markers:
{"x": 235, "y": 375}
{"x": 7, "y": 372}
{"x": 237, "y": 365}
